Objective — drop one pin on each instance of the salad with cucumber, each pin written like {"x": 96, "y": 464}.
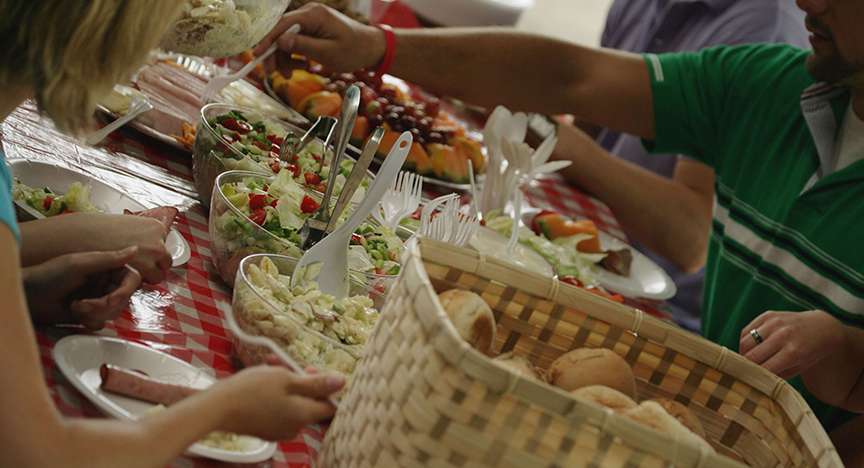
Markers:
{"x": 48, "y": 203}
{"x": 274, "y": 211}
{"x": 250, "y": 145}
{"x": 381, "y": 246}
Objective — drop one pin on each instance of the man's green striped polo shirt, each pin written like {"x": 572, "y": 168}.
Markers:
{"x": 787, "y": 231}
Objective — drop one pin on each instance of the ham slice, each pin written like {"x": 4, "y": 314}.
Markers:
{"x": 163, "y": 214}
{"x": 618, "y": 261}
{"x": 124, "y": 382}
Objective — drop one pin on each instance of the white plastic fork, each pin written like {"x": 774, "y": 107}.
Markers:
{"x": 217, "y": 83}
{"x": 464, "y": 229}
{"x": 401, "y": 200}
{"x": 517, "y": 218}
{"x": 412, "y": 195}
{"x": 391, "y": 202}
{"x": 332, "y": 252}
{"x": 442, "y": 227}
{"x": 138, "y": 106}
{"x": 429, "y": 210}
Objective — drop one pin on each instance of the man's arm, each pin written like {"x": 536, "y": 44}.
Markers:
{"x": 670, "y": 216}
{"x": 486, "y": 67}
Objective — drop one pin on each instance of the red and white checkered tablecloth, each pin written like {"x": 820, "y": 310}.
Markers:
{"x": 184, "y": 316}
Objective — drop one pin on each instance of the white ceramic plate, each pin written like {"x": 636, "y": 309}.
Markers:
{"x": 79, "y": 358}
{"x": 105, "y": 197}
{"x": 647, "y": 280}
{"x": 492, "y": 244}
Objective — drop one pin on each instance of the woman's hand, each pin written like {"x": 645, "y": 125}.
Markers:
{"x": 87, "y": 288}
{"x": 793, "y": 342}
{"x": 273, "y": 403}
{"x": 91, "y": 232}
{"x": 327, "y": 36}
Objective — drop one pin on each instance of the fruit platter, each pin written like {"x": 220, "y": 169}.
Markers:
{"x": 443, "y": 144}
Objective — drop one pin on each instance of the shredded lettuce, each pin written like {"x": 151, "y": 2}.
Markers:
{"x": 45, "y": 201}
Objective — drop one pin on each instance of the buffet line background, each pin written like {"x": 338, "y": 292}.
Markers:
{"x": 184, "y": 316}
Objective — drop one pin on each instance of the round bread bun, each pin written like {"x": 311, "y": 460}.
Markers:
{"x": 683, "y": 415}
{"x": 472, "y": 318}
{"x": 605, "y": 396}
{"x": 592, "y": 366}
{"x": 651, "y": 414}
{"x": 518, "y": 364}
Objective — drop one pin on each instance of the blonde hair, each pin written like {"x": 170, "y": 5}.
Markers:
{"x": 70, "y": 53}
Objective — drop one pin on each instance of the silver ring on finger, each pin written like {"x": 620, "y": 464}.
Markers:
{"x": 754, "y": 333}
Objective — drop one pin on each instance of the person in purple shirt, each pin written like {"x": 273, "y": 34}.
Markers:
{"x": 664, "y": 202}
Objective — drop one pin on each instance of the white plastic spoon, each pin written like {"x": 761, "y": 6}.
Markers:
{"x": 332, "y": 252}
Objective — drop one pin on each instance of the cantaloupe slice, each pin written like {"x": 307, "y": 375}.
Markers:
{"x": 361, "y": 129}
{"x": 419, "y": 160}
{"x": 554, "y": 226}
{"x": 322, "y": 103}
{"x": 387, "y": 141}
{"x": 470, "y": 149}
{"x": 438, "y": 156}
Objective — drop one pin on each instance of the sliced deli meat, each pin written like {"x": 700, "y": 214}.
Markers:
{"x": 618, "y": 261}
{"x": 128, "y": 383}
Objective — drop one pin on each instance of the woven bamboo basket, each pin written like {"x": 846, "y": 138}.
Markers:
{"x": 421, "y": 396}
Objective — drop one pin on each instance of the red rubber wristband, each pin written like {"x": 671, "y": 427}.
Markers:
{"x": 389, "y": 52}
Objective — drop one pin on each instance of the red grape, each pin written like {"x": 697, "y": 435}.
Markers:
{"x": 433, "y": 107}
{"x": 409, "y": 121}
{"x": 436, "y": 137}
{"x": 393, "y": 118}
{"x": 375, "y": 121}
{"x": 425, "y": 124}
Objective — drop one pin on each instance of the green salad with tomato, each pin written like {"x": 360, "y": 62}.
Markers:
{"x": 273, "y": 213}
{"x": 48, "y": 203}
{"x": 255, "y": 146}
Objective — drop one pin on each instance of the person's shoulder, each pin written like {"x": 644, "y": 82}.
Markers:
{"x": 761, "y": 52}
{"x": 751, "y": 69}
{"x": 771, "y": 57}
{"x": 747, "y": 69}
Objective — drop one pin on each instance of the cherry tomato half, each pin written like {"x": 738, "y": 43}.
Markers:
{"x": 237, "y": 125}
{"x": 312, "y": 178}
{"x": 258, "y": 216}
{"x": 308, "y": 205}
{"x": 257, "y": 201}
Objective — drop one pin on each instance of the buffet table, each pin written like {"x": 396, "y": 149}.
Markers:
{"x": 184, "y": 315}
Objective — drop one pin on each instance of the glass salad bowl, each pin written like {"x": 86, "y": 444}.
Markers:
{"x": 251, "y": 214}
{"x": 313, "y": 329}
{"x": 222, "y": 28}
{"x": 238, "y": 138}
